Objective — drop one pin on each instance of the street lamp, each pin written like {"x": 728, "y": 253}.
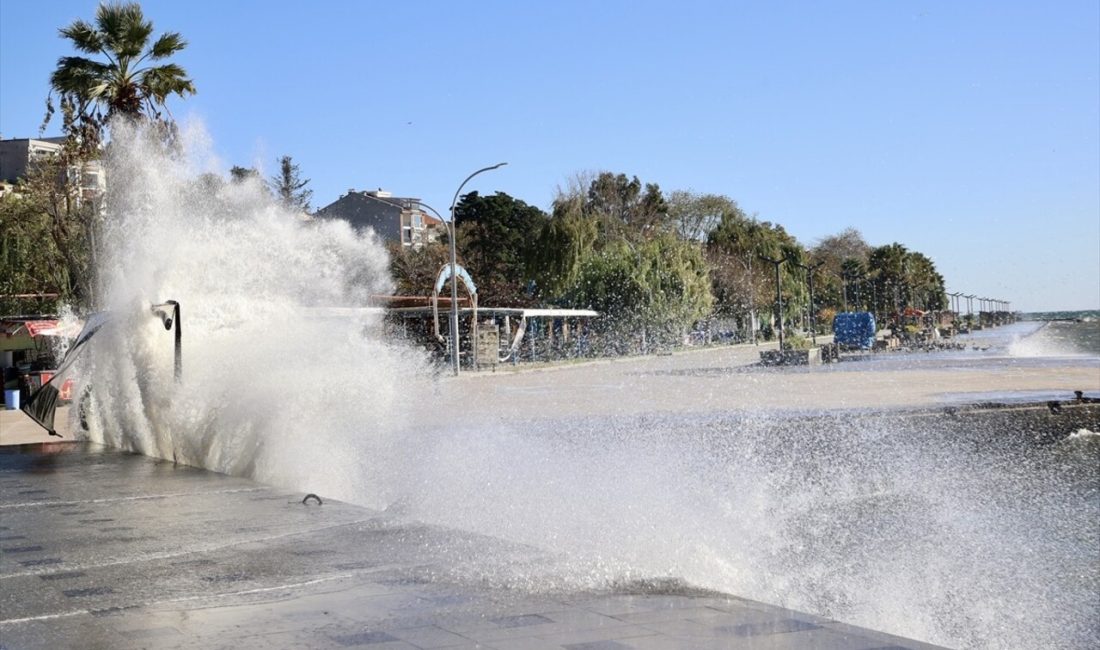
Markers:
{"x": 955, "y": 302}
{"x": 454, "y": 268}
{"x": 778, "y": 295}
{"x": 810, "y": 280}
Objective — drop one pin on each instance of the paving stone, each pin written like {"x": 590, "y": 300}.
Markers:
{"x": 768, "y": 627}
{"x": 521, "y": 621}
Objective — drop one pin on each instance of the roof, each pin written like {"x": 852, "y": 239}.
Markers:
{"x": 518, "y": 312}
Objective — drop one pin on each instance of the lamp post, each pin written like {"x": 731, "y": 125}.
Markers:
{"x": 844, "y": 289}
{"x": 454, "y": 268}
{"x": 810, "y": 280}
{"x": 955, "y": 302}
{"x": 778, "y": 296}
{"x": 169, "y": 314}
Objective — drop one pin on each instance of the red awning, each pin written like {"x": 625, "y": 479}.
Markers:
{"x": 36, "y": 328}
{"x": 43, "y": 327}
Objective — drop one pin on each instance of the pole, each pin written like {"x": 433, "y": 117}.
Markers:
{"x": 844, "y": 290}
{"x": 778, "y": 296}
{"x": 810, "y": 281}
{"x": 454, "y": 269}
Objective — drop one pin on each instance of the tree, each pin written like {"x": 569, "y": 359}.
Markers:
{"x": 925, "y": 285}
{"x": 238, "y": 174}
{"x": 495, "y": 235}
{"x": 289, "y": 188}
{"x": 830, "y": 255}
{"x": 415, "y": 270}
{"x": 566, "y": 240}
{"x": 127, "y": 83}
{"x": 655, "y": 289}
{"x": 904, "y": 278}
{"x": 623, "y": 208}
{"x": 694, "y": 216}
{"x": 608, "y": 245}
{"x": 44, "y": 237}
{"x": 744, "y": 283}
{"x": 853, "y": 271}
{"x": 888, "y": 277}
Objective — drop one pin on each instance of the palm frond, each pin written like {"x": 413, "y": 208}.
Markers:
{"x": 124, "y": 28}
{"x": 78, "y": 75}
{"x": 170, "y": 79}
{"x": 84, "y": 37}
{"x": 167, "y": 45}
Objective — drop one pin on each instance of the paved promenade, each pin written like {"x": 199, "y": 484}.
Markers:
{"x": 727, "y": 379}
{"x": 102, "y": 549}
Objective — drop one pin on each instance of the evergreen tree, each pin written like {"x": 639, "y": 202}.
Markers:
{"x": 495, "y": 237}
{"x": 288, "y": 186}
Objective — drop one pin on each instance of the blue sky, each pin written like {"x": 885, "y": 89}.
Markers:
{"x": 967, "y": 131}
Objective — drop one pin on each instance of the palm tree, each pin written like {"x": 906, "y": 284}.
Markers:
{"x": 129, "y": 83}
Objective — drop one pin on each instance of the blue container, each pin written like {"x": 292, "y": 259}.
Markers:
{"x": 854, "y": 329}
{"x": 11, "y": 399}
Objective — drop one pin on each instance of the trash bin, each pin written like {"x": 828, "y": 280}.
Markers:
{"x": 11, "y": 399}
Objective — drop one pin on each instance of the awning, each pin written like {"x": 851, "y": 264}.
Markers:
{"x": 36, "y": 328}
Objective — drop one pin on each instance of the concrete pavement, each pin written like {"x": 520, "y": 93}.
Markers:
{"x": 103, "y": 549}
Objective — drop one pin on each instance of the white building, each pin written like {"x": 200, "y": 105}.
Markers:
{"x": 18, "y": 157}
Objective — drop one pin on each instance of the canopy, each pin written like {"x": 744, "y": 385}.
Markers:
{"x": 36, "y": 327}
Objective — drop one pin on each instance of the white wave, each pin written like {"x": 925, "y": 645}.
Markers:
{"x": 267, "y": 391}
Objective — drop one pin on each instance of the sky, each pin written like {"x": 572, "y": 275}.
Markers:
{"x": 968, "y": 131}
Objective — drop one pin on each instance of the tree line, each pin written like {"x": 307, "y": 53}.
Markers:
{"x": 661, "y": 266}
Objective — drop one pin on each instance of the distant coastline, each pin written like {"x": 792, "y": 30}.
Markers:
{"x": 1081, "y": 314}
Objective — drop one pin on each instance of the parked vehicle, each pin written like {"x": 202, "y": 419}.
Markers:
{"x": 854, "y": 330}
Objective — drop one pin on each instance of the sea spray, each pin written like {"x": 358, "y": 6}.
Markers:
{"x": 269, "y": 390}
{"x": 950, "y": 533}
{"x": 935, "y": 533}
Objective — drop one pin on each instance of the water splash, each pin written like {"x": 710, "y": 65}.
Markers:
{"x": 269, "y": 391}
{"x": 883, "y": 522}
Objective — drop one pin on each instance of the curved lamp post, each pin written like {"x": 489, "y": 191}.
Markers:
{"x": 778, "y": 295}
{"x": 454, "y": 268}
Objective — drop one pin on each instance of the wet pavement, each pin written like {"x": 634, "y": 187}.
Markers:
{"x": 105, "y": 549}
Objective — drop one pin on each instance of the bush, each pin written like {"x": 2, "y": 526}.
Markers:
{"x": 796, "y": 342}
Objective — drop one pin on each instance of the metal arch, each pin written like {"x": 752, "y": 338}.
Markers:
{"x": 445, "y": 274}
{"x": 471, "y": 290}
